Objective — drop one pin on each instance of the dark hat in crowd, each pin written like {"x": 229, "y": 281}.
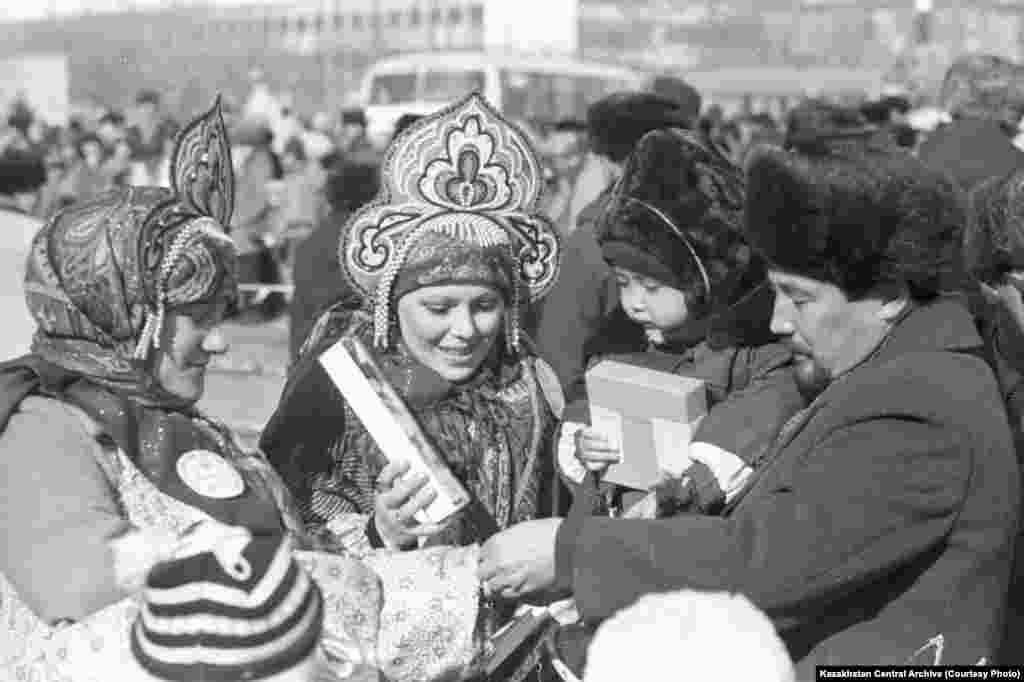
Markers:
{"x": 675, "y": 216}
{"x": 569, "y": 125}
{"x": 21, "y": 172}
{"x": 879, "y": 112}
{"x": 147, "y": 97}
{"x": 816, "y": 125}
{"x": 21, "y": 116}
{"x": 681, "y": 92}
{"x": 994, "y": 238}
{"x": 113, "y": 117}
{"x": 855, "y": 218}
{"x": 353, "y": 116}
{"x": 239, "y": 608}
{"x": 404, "y": 121}
{"x": 617, "y": 122}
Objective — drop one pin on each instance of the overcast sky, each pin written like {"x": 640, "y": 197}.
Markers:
{"x": 11, "y": 10}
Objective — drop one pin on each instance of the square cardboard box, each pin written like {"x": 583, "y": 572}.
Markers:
{"x": 650, "y": 415}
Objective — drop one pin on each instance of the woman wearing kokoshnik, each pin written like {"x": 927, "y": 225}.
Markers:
{"x": 444, "y": 261}
{"x": 108, "y": 470}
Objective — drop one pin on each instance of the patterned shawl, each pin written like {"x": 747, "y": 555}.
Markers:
{"x": 100, "y": 279}
{"x": 493, "y": 431}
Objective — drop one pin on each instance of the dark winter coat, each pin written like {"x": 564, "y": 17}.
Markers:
{"x": 879, "y": 529}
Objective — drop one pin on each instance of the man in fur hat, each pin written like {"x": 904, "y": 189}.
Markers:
{"x": 585, "y": 292}
{"x": 878, "y": 528}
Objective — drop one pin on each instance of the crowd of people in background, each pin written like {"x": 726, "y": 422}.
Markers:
{"x": 845, "y": 280}
{"x": 298, "y": 173}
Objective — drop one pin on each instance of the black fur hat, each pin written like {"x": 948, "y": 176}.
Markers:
{"x": 617, "y": 122}
{"x": 676, "y": 216}
{"x": 855, "y": 219}
{"x": 21, "y": 172}
{"x": 681, "y": 92}
{"x": 353, "y": 116}
{"x": 816, "y": 125}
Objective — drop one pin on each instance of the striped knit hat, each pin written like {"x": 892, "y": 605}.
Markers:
{"x": 230, "y": 607}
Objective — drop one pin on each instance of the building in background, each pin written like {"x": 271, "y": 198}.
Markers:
{"x": 317, "y": 49}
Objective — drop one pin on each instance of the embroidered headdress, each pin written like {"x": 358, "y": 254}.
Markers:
{"x": 101, "y": 275}
{"x": 458, "y": 202}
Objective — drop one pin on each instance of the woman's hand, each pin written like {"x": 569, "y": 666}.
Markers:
{"x": 399, "y": 498}
{"x": 596, "y": 451}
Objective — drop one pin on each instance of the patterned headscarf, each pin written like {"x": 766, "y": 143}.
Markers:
{"x": 458, "y": 203}
{"x": 102, "y": 274}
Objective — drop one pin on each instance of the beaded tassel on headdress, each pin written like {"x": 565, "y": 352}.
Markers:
{"x": 512, "y": 316}
{"x": 153, "y": 328}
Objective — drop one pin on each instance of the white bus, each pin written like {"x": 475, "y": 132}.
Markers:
{"x": 524, "y": 88}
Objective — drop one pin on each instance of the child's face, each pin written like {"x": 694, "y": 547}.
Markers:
{"x": 657, "y": 307}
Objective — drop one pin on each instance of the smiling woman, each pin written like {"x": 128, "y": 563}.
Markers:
{"x": 444, "y": 260}
{"x": 105, "y": 461}
{"x": 190, "y": 340}
{"x": 451, "y": 328}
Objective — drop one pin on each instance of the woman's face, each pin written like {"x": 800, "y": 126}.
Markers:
{"x": 190, "y": 338}
{"x": 451, "y": 328}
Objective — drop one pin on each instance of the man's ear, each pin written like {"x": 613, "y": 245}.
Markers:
{"x": 894, "y": 298}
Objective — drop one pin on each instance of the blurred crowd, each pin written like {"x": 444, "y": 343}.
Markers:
{"x": 295, "y": 173}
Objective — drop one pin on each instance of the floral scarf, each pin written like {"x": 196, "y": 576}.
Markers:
{"x": 492, "y": 431}
{"x": 99, "y": 279}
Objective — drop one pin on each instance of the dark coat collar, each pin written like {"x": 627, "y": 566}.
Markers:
{"x": 944, "y": 324}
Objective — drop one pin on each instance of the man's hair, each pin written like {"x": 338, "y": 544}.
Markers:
{"x": 148, "y": 97}
{"x": 856, "y": 218}
{"x": 112, "y": 117}
{"x": 816, "y": 126}
{"x": 617, "y": 122}
{"x": 569, "y": 125}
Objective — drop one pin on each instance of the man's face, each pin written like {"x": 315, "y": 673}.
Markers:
{"x": 821, "y": 324}
{"x": 147, "y": 111}
{"x": 568, "y": 152}
{"x": 110, "y": 133}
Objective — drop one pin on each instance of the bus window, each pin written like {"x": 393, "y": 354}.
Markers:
{"x": 528, "y": 96}
{"x": 393, "y": 88}
{"x": 591, "y": 89}
{"x": 443, "y": 86}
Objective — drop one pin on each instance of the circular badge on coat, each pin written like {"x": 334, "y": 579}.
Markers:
{"x": 210, "y": 475}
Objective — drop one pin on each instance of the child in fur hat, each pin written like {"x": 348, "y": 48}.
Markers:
{"x": 694, "y": 301}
